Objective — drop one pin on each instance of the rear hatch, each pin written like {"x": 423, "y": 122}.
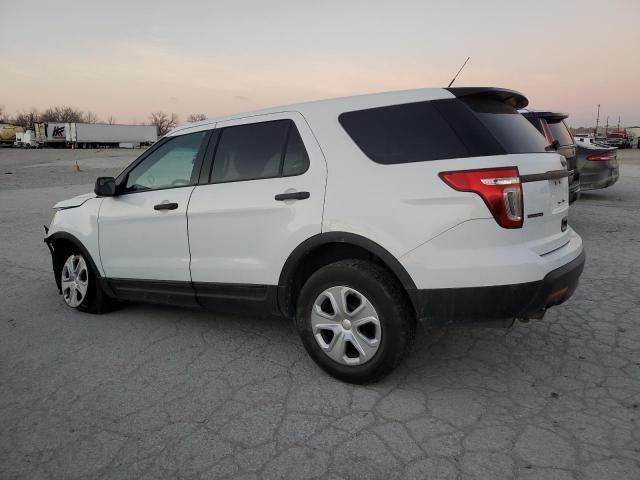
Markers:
{"x": 543, "y": 171}
{"x": 477, "y": 139}
{"x": 546, "y": 202}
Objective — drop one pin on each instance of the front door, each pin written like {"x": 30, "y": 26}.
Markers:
{"x": 143, "y": 230}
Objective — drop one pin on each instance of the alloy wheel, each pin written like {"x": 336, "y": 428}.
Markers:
{"x": 75, "y": 280}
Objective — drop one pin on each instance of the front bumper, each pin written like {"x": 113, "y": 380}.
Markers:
{"x": 522, "y": 300}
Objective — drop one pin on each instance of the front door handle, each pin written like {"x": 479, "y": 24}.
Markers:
{"x": 166, "y": 206}
{"x": 292, "y": 196}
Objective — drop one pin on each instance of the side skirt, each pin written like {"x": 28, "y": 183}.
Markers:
{"x": 224, "y": 297}
{"x": 154, "y": 291}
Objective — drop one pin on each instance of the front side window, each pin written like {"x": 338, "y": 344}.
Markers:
{"x": 259, "y": 150}
{"x": 170, "y": 165}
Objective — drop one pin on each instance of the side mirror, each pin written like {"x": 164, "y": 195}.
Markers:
{"x": 105, "y": 187}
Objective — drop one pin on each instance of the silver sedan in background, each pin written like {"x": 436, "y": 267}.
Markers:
{"x": 597, "y": 164}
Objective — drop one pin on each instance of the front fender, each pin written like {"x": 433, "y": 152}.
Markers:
{"x": 79, "y": 225}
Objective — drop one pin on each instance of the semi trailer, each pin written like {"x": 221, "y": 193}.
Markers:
{"x": 91, "y": 135}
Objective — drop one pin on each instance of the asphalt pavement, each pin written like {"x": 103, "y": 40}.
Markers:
{"x": 153, "y": 392}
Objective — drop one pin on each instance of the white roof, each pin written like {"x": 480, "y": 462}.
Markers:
{"x": 333, "y": 106}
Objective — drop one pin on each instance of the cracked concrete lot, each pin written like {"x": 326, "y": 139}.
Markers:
{"x": 150, "y": 392}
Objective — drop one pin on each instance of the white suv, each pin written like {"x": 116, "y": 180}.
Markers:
{"x": 354, "y": 216}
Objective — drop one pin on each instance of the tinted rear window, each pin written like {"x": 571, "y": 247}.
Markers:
{"x": 441, "y": 129}
{"x": 560, "y": 132}
{"x": 514, "y": 132}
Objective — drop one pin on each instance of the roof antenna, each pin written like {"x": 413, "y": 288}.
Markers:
{"x": 456, "y": 75}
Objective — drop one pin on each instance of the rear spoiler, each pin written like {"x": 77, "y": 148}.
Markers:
{"x": 504, "y": 95}
{"x": 551, "y": 117}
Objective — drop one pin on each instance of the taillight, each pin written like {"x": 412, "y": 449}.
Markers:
{"x": 599, "y": 157}
{"x": 547, "y": 132}
{"x": 500, "y": 188}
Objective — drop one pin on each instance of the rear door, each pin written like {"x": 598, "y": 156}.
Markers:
{"x": 264, "y": 197}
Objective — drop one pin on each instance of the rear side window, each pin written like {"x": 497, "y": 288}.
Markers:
{"x": 560, "y": 132}
{"x": 296, "y": 160}
{"x": 441, "y": 129}
{"x": 259, "y": 150}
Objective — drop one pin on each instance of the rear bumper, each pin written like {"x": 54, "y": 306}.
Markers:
{"x": 522, "y": 300}
{"x": 603, "y": 179}
{"x": 574, "y": 185}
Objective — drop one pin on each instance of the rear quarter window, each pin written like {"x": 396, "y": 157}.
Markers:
{"x": 412, "y": 132}
{"x": 440, "y": 129}
{"x": 561, "y": 132}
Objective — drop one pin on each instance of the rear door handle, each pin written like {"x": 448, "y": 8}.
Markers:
{"x": 166, "y": 206}
{"x": 292, "y": 196}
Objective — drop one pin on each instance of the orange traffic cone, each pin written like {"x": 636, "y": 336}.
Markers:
{"x": 77, "y": 167}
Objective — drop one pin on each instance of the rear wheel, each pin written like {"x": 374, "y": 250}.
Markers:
{"x": 355, "y": 321}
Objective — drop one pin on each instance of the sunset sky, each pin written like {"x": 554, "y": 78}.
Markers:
{"x": 127, "y": 59}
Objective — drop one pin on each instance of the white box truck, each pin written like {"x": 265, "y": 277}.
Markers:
{"x": 88, "y": 135}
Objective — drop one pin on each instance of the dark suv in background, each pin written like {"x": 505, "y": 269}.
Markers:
{"x": 555, "y": 130}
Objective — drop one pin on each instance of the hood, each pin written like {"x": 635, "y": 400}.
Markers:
{"x": 74, "y": 202}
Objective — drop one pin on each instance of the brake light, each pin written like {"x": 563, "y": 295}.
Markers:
{"x": 500, "y": 188}
{"x": 599, "y": 157}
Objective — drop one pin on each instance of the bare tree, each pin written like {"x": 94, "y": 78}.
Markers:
{"x": 196, "y": 117}
{"x": 62, "y": 114}
{"x": 27, "y": 119}
{"x": 4, "y": 117}
{"x": 111, "y": 120}
{"x": 90, "y": 117}
{"x": 163, "y": 121}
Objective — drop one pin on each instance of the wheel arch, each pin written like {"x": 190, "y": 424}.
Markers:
{"x": 59, "y": 243}
{"x": 325, "y": 248}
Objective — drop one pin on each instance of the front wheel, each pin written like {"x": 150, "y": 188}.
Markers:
{"x": 355, "y": 321}
{"x": 79, "y": 286}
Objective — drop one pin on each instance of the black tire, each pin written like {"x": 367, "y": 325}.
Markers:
{"x": 96, "y": 301}
{"x": 383, "y": 291}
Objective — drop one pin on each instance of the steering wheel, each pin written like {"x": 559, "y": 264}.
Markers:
{"x": 179, "y": 181}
